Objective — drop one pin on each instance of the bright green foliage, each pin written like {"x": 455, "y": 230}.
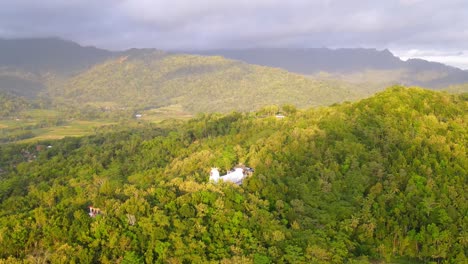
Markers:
{"x": 381, "y": 179}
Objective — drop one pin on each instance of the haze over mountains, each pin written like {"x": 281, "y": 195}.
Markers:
{"x": 67, "y": 73}
{"x": 25, "y": 64}
{"x": 345, "y": 62}
{"x": 49, "y": 54}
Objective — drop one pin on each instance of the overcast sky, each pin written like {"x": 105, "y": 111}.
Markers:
{"x": 431, "y": 29}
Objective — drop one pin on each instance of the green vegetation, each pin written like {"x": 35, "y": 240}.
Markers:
{"x": 383, "y": 179}
{"x": 158, "y": 115}
{"x": 89, "y": 83}
{"x": 156, "y": 84}
{"x": 31, "y": 125}
{"x": 70, "y": 129}
{"x": 10, "y": 105}
{"x": 197, "y": 83}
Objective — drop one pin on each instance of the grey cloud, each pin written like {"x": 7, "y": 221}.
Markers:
{"x": 177, "y": 24}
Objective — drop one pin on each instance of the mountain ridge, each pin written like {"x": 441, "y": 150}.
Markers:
{"x": 309, "y": 60}
{"x": 49, "y": 54}
{"x": 67, "y": 73}
{"x": 343, "y": 61}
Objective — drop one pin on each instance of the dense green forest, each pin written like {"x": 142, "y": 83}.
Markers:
{"x": 380, "y": 180}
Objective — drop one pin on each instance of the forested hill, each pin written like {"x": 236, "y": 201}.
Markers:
{"x": 149, "y": 79}
{"x": 382, "y": 179}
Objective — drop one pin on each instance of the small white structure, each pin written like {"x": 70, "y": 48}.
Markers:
{"x": 236, "y": 176}
{"x": 93, "y": 211}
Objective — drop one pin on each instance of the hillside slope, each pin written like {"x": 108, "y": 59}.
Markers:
{"x": 150, "y": 79}
{"x": 381, "y": 179}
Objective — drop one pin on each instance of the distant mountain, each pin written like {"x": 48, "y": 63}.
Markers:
{"x": 40, "y": 55}
{"x": 309, "y": 61}
{"x": 26, "y": 65}
{"x": 74, "y": 76}
{"x": 348, "y": 62}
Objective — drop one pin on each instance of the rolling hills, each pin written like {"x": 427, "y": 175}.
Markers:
{"x": 68, "y": 75}
{"x": 64, "y": 75}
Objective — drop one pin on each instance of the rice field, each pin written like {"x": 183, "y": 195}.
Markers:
{"x": 36, "y": 125}
{"x": 75, "y": 128}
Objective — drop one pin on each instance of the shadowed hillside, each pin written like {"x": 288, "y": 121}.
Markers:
{"x": 42, "y": 55}
{"x": 346, "y": 63}
{"x": 26, "y": 65}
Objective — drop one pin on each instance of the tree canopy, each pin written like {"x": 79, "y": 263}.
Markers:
{"x": 381, "y": 179}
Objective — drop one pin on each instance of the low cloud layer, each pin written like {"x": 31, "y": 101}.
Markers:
{"x": 457, "y": 59}
{"x": 186, "y": 24}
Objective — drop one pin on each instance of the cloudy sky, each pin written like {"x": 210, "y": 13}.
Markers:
{"x": 436, "y": 30}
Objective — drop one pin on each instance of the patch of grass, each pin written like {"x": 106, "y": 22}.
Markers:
{"x": 74, "y": 128}
{"x": 9, "y": 123}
